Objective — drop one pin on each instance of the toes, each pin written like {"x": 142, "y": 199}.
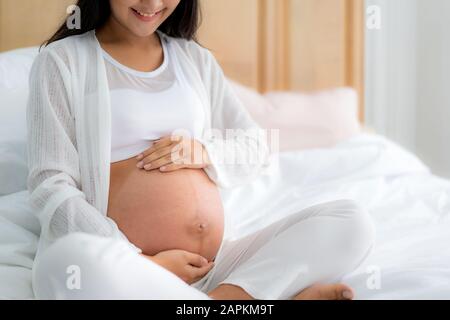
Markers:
{"x": 348, "y": 294}
{"x": 326, "y": 292}
{"x": 343, "y": 292}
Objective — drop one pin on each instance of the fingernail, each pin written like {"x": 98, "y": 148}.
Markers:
{"x": 139, "y": 157}
{"x": 140, "y": 165}
{"x": 347, "y": 294}
{"x": 162, "y": 168}
{"x": 205, "y": 261}
{"x": 148, "y": 166}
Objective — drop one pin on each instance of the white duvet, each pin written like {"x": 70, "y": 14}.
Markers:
{"x": 410, "y": 208}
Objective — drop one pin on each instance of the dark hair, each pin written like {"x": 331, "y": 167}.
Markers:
{"x": 182, "y": 23}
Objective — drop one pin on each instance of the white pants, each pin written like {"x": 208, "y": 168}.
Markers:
{"x": 318, "y": 244}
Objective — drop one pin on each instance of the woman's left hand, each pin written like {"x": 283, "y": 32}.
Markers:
{"x": 171, "y": 153}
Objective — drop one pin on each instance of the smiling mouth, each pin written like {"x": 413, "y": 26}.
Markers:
{"x": 146, "y": 14}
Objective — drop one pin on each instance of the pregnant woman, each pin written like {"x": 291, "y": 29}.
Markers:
{"x": 127, "y": 150}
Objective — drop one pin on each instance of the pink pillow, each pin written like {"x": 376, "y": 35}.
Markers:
{"x": 305, "y": 121}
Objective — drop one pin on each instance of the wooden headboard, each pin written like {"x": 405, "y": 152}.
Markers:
{"x": 265, "y": 44}
{"x": 305, "y": 45}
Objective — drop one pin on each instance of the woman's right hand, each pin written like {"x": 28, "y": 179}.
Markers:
{"x": 190, "y": 267}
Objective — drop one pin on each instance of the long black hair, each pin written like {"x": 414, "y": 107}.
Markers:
{"x": 182, "y": 23}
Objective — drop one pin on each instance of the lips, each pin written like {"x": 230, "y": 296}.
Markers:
{"x": 146, "y": 16}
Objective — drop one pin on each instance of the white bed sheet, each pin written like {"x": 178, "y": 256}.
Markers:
{"x": 19, "y": 231}
{"x": 410, "y": 208}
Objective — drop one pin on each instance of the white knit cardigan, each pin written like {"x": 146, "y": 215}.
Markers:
{"x": 69, "y": 133}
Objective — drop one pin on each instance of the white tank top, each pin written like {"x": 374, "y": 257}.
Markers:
{"x": 146, "y": 106}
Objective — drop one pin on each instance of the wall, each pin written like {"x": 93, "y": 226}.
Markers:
{"x": 26, "y": 23}
{"x": 407, "y": 77}
{"x": 433, "y": 83}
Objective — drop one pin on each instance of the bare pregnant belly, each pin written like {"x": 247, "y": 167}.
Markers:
{"x": 163, "y": 211}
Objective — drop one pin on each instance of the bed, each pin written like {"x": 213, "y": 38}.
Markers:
{"x": 324, "y": 155}
{"x": 410, "y": 206}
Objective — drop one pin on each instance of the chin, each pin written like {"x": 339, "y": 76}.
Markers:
{"x": 143, "y": 33}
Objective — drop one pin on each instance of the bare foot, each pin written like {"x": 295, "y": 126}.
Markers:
{"x": 229, "y": 292}
{"x": 326, "y": 292}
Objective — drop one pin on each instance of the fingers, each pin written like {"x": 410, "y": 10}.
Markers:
{"x": 161, "y": 156}
{"x": 195, "y": 259}
{"x": 197, "y": 267}
{"x": 172, "y": 153}
{"x": 165, "y": 159}
{"x": 171, "y": 167}
{"x": 155, "y": 155}
{"x": 204, "y": 270}
{"x": 158, "y": 164}
{"x": 161, "y": 143}
{"x": 198, "y": 273}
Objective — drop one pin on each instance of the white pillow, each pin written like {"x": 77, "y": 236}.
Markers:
{"x": 14, "y": 72}
{"x": 304, "y": 120}
{"x": 15, "y": 67}
{"x": 13, "y": 132}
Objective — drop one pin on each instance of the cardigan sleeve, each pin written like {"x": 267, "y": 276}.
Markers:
{"x": 54, "y": 179}
{"x": 236, "y": 145}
